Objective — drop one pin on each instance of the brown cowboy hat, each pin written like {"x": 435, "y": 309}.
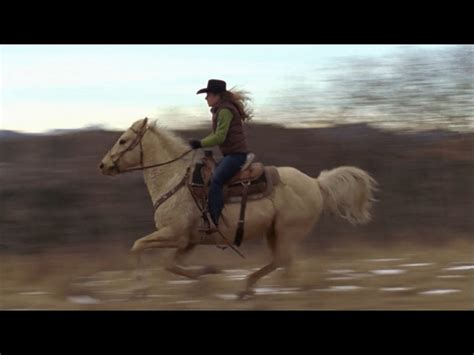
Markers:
{"x": 214, "y": 86}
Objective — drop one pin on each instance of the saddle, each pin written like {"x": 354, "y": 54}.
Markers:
{"x": 254, "y": 181}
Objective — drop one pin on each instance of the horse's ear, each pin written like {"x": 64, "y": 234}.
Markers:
{"x": 145, "y": 122}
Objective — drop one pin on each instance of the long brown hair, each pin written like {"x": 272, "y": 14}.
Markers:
{"x": 241, "y": 100}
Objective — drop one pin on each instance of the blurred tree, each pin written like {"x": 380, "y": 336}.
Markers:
{"x": 415, "y": 88}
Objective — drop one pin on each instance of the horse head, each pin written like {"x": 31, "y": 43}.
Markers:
{"x": 127, "y": 152}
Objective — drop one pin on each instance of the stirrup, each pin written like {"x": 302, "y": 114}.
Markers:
{"x": 211, "y": 227}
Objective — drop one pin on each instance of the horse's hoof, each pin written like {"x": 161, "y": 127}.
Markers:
{"x": 140, "y": 290}
{"x": 246, "y": 294}
{"x": 212, "y": 270}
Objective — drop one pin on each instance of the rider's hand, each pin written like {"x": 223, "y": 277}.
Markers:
{"x": 195, "y": 144}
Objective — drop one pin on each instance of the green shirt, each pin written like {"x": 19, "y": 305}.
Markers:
{"x": 223, "y": 124}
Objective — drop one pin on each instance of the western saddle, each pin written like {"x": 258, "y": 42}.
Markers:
{"x": 254, "y": 181}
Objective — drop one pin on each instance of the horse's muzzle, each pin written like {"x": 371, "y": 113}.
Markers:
{"x": 108, "y": 170}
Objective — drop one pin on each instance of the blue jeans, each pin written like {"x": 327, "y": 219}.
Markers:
{"x": 225, "y": 169}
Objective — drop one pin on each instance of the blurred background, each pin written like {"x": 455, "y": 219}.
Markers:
{"x": 402, "y": 113}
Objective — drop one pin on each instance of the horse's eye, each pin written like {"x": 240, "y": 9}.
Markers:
{"x": 122, "y": 141}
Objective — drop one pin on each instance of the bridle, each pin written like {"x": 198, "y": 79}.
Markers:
{"x": 138, "y": 141}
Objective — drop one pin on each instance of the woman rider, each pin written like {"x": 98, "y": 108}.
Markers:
{"x": 229, "y": 110}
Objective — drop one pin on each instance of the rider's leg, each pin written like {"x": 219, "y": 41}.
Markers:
{"x": 225, "y": 170}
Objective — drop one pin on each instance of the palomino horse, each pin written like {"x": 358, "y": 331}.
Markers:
{"x": 283, "y": 218}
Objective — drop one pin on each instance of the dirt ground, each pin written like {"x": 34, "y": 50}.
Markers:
{"x": 348, "y": 277}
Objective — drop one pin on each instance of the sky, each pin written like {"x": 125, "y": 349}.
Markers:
{"x": 48, "y": 87}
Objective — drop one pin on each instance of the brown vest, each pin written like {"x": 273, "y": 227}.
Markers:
{"x": 235, "y": 141}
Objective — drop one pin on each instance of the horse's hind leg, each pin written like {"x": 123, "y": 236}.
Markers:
{"x": 255, "y": 276}
{"x": 280, "y": 248}
{"x": 188, "y": 272}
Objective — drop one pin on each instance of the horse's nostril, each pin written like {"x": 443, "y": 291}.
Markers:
{"x": 101, "y": 165}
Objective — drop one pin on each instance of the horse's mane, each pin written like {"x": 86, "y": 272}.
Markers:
{"x": 168, "y": 138}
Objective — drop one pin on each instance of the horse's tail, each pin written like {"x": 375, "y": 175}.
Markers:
{"x": 348, "y": 193}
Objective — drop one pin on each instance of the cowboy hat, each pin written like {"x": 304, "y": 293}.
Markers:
{"x": 214, "y": 86}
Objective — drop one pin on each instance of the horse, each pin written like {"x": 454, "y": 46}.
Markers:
{"x": 283, "y": 219}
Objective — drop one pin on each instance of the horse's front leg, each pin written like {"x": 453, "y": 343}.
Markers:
{"x": 193, "y": 273}
{"x": 162, "y": 238}
{"x": 167, "y": 238}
